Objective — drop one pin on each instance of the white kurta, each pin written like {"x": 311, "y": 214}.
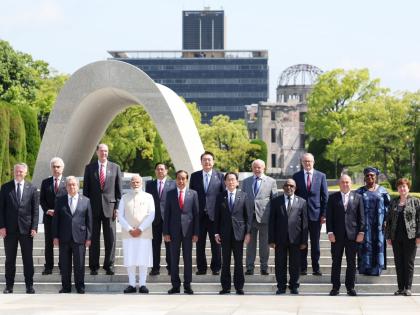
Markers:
{"x": 138, "y": 251}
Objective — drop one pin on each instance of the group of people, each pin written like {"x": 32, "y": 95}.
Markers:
{"x": 208, "y": 204}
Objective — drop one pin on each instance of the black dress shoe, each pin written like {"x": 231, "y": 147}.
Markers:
{"x": 249, "y": 272}
{"x": 294, "y": 291}
{"x": 200, "y": 272}
{"x": 279, "y": 292}
{"x": 64, "y": 291}
{"x": 81, "y": 291}
{"x": 188, "y": 290}
{"x": 317, "y": 273}
{"x": 143, "y": 290}
{"x": 334, "y": 292}
{"x": 47, "y": 272}
{"x": 154, "y": 273}
{"x": 240, "y": 292}
{"x": 351, "y": 292}
{"x": 224, "y": 292}
{"x": 8, "y": 290}
{"x": 264, "y": 273}
{"x": 30, "y": 289}
{"x": 130, "y": 289}
{"x": 174, "y": 291}
{"x": 303, "y": 272}
{"x": 407, "y": 292}
{"x": 93, "y": 272}
{"x": 399, "y": 292}
{"x": 215, "y": 273}
{"x": 110, "y": 271}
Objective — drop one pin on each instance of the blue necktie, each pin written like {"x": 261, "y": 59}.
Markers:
{"x": 256, "y": 187}
{"x": 231, "y": 202}
{"x": 206, "y": 182}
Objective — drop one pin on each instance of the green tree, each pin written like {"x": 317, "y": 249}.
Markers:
{"x": 33, "y": 139}
{"x": 4, "y": 142}
{"x": 17, "y": 137}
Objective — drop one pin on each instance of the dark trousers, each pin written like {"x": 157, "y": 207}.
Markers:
{"x": 404, "y": 254}
{"x": 109, "y": 230}
{"x": 10, "y": 247}
{"x": 68, "y": 251}
{"x": 206, "y": 226}
{"x": 337, "y": 249}
{"x": 49, "y": 245}
{"x": 231, "y": 245}
{"x": 314, "y": 228}
{"x": 156, "y": 245}
{"x": 280, "y": 261}
{"x": 176, "y": 243}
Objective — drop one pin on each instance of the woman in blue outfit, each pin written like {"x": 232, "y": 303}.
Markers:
{"x": 372, "y": 252}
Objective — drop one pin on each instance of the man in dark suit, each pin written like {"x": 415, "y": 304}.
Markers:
{"x": 311, "y": 185}
{"x": 288, "y": 234}
{"x": 102, "y": 185}
{"x": 180, "y": 227}
{"x": 19, "y": 207}
{"x": 72, "y": 231}
{"x": 233, "y": 220}
{"x": 208, "y": 183}
{"x": 159, "y": 188}
{"x": 51, "y": 187}
{"x": 345, "y": 226}
{"x": 261, "y": 189}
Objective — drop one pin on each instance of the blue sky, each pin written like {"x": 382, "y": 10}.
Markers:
{"x": 383, "y": 36}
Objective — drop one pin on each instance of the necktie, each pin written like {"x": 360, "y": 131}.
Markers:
{"x": 346, "y": 201}
{"x": 289, "y": 205}
{"x": 231, "y": 202}
{"x": 206, "y": 182}
{"x": 18, "y": 193}
{"x": 256, "y": 186}
{"x": 308, "y": 182}
{"x": 181, "y": 199}
{"x": 71, "y": 204}
{"x": 102, "y": 177}
{"x": 160, "y": 188}
{"x": 55, "y": 185}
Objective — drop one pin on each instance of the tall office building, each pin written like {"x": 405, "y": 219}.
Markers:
{"x": 203, "y": 30}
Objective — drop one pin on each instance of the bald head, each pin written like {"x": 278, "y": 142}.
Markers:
{"x": 258, "y": 167}
{"x": 345, "y": 183}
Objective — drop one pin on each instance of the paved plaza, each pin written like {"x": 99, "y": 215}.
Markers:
{"x": 160, "y": 304}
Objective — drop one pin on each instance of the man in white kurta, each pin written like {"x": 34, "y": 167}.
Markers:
{"x": 136, "y": 212}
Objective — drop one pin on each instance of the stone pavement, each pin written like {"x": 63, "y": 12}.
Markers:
{"x": 115, "y": 304}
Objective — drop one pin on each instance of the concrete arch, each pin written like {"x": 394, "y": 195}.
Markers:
{"x": 89, "y": 101}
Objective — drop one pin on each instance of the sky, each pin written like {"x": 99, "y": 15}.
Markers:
{"x": 381, "y": 35}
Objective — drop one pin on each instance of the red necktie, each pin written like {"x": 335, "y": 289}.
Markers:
{"x": 55, "y": 185}
{"x": 308, "y": 182}
{"x": 181, "y": 199}
{"x": 102, "y": 177}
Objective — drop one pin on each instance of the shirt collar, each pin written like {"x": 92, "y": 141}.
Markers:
{"x": 22, "y": 183}
{"x": 104, "y": 164}
{"x": 209, "y": 172}
{"x": 180, "y": 190}
{"x": 231, "y": 192}
{"x": 76, "y": 196}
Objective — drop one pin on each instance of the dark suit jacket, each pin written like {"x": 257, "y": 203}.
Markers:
{"x": 108, "y": 199}
{"x": 19, "y": 217}
{"x": 77, "y": 227}
{"x": 177, "y": 220}
{"x": 345, "y": 222}
{"x": 317, "y": 197}
{"x": 240, "y": 220}
{"x": 282, "y": 228}
{"x": 48, "y": 195}
{"x": 152, "y": 188}
{"x": 207, "y": 200}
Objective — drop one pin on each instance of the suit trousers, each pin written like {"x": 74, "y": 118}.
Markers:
{"x": 109, "y": 231}
{"x": 314, "y": 228}
{"x": 260, "y": 231}
{"x": 404, "y": 255}
{"x": 176, "y": 243}
{"x": 280, "y": 260}
{"x": 337, "y": 249}
{"x": 231, "y": 245}
{"x": 156, "y": 245}
{"x": 10, "y": 247}
{"x": 49, "y": 245}
{"x": 72, "y": 251}
{"x": 206, "y": 226}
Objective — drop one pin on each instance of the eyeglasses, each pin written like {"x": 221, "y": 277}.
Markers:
{"x": 287, "y": 185}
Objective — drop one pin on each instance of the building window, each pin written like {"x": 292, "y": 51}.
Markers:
{"x": 302, "y": 140}
{"x": 273, "y": 160}
{"x": 273, "y": 135}
{"x": 302, "y": 116}
{"x": 273, "y": 115}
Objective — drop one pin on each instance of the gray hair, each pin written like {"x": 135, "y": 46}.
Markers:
{"x": 135, "y": 176}
{"x": 69, "y": 178}
{"x": 57, "y": 160}
{"x": 309, "y": 155}
{"x": 258, "y": 161}
{"x": 24, "y": 165}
